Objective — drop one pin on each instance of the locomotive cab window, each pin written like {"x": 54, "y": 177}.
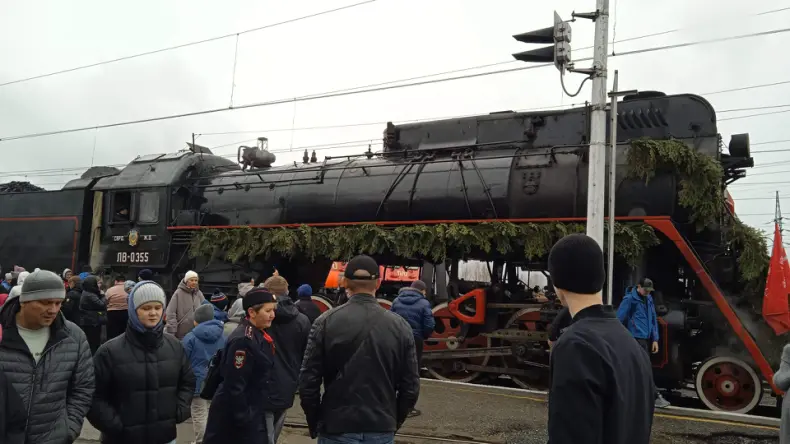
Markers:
{"x": 121, "y": 207}
{"x": 148, "y": 207}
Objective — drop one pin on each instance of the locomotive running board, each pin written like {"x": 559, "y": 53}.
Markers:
{"x": 667, "y": 227}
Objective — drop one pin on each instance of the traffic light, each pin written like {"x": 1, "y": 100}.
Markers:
{"x": 559, "y": 53}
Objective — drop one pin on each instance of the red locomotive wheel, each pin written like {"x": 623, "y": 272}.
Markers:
{"x": 449, "y": 328}
{"x": 322, "y": 304}
{"x": 728, "y": 384}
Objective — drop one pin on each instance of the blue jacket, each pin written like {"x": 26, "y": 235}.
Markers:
{"x": 200, "y": 345}
{"x": 638, "y": 314}
{"x": 412, "y": 306}
{"x": 218, "y": 314}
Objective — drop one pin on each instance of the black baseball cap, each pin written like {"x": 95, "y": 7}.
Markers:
{"x": 647, "y": 284}
{"x": 362, "y": 263}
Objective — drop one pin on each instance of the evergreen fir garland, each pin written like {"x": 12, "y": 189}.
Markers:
{"x": 434, "y": 242}
{"x": 701, "y": 187}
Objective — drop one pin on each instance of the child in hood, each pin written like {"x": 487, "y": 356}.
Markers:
{"x": 220, "y": 303}
{"x": 200, "y": 345}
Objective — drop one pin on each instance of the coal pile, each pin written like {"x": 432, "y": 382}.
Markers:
{"x": 19, "y": 187}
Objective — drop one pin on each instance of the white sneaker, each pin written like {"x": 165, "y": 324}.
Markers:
{"x": 661, "y": 403}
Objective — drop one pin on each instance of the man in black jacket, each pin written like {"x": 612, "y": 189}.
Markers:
{"x": 289, "y": 330}
{"x": 601, "y": 380}
{"x": 365, "y": 357}
{"x": 47, "y": 359}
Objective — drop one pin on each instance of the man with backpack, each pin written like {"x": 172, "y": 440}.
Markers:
{"x": 637, "y": 312}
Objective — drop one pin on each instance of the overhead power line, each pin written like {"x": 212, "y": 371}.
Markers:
{"x": 348, "y": 144}
{"x": 342, "y": 93}
{"x": 296, "y": 19}
{"x": 753, "y": 108}
{"x": 184, "y": 45}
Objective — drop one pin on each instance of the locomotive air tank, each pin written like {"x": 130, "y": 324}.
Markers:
{"x": 501, "y": 165}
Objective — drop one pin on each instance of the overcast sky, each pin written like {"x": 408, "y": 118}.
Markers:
{"x": 377, "y": 42}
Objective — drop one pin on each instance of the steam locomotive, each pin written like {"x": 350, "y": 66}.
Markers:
{"x": 507, "y": 166}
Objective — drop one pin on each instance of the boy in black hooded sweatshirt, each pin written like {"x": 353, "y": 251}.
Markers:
{"x": 13, "y": 417}
{"x": 601, "y": 380}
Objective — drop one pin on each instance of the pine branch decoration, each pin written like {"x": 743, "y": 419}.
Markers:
{"x": 434, "y": 242}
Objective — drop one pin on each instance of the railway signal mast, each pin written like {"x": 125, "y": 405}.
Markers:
{"x": 559, "y": 53}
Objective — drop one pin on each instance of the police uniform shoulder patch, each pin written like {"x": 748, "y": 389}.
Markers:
{"x": 248, "y": 332}
{"x": 239, "y": 359}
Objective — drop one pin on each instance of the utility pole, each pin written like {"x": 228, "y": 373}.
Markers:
{"x": 612, "y": 184}
{"x": 596, "y": 174}
{"x": 560, "y": 54}
{"x": 778, "y": 213}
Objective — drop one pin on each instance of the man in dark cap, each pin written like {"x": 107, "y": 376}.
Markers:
{"x": 637, "y": 312}
{"x": 238, "y": 408}
{"x": 412, "y": 306}
{"x": 601, "y": 380}
{"x": 351, "y": 350}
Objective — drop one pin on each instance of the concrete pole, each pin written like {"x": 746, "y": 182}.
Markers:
{"x": 612, "y": 191}
{"x": 596, "y": 176}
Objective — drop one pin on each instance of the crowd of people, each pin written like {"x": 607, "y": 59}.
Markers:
{"x": 235, "y": 370}
{"x": 135, "y": 365}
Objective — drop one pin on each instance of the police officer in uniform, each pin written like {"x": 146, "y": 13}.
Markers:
{"x": 237, "y": 409}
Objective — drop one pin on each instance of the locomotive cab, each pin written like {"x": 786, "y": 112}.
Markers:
{"x": 133, "y": 209}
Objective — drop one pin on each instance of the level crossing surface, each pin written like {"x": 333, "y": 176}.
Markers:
{"x": 475, "y": 414}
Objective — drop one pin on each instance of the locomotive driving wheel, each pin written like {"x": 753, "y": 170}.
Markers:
{"x": 322, "y": 304}
{"x": 451, "y": 331}
{"x": 728, "y": 384}
{"x": 525, "y": 319}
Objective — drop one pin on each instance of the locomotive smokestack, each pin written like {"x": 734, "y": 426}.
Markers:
{"x": 313, "y": 158}
{"x": 305, "y": 159}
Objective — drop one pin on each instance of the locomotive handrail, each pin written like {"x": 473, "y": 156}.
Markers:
{"x": 419, "y": 222}
{"x": 320, "y": 168}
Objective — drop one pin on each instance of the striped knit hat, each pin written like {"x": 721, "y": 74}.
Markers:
{"x": 219, "y": 300}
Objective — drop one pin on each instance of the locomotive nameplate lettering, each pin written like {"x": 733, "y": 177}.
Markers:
{"x": 140, "y": 237}
{"x": 133, "y": 257}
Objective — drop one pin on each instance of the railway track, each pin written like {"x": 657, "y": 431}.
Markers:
{"x": 419, "y": 437}
{"x": 683, "y": 400}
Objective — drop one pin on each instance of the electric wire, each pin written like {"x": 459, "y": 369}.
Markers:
{"x": 342, "y": 93}
{"x": 184, "y": 45}
{"x": 360, "y": 142}
{"x": 296, "y": 19}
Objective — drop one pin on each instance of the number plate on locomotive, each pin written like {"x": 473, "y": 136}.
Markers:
{"x": 133, "y": 257}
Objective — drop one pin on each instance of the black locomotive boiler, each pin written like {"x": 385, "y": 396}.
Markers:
{"x": 504, "y": 166}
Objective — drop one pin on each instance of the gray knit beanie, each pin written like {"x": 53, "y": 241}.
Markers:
{"x": 40, "y": 285}
{"x": 204, "y": 313}
{"x": 145, "y": 292}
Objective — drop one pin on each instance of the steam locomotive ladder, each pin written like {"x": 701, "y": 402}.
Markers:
{"x": 660, "y": 223}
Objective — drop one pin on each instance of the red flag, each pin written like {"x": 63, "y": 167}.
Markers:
{"x": 776, "y": 310}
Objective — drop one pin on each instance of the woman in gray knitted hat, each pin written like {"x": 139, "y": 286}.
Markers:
{"x": 156, "y": 393}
